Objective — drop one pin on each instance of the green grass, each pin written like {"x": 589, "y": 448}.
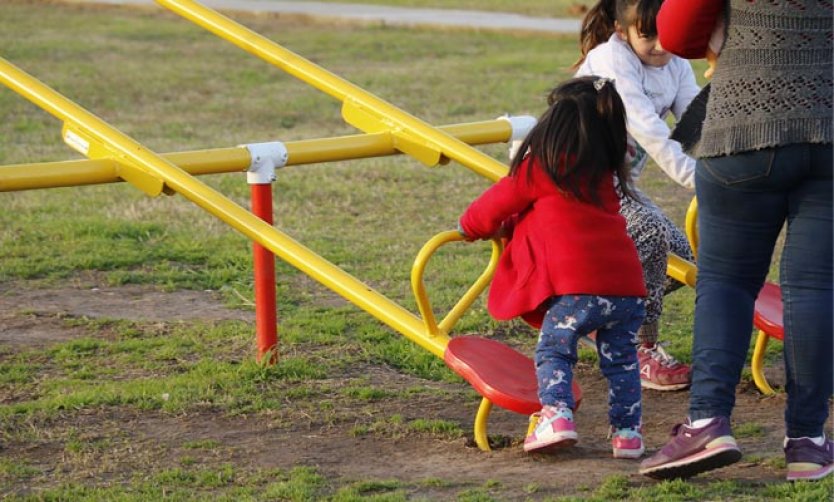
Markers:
{"x": 174, "y": 87}
{"x": 620, "y": 488}
{"x": 542, "y": 8}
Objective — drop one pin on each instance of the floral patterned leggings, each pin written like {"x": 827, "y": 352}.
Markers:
{"x": 616, "y": 320}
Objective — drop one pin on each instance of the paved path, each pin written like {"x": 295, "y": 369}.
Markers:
{"x": 395, "y": 16}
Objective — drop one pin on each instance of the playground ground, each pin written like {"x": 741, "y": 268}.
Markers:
{"x": 316, "y": 450}
{"x": 126, "y": 351}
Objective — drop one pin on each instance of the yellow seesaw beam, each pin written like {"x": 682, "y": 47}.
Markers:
{"x": 364, "y": 110}
{"x": 236, "y": 159}
{"x": 154, "y": 174}
{"x": 360, "y": 108}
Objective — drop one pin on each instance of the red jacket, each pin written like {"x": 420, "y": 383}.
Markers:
{"x": 558, "y": 245}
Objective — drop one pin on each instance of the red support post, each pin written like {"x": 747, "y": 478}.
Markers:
{"x": 264, "y": 159}
{"x": 266, "y": 317}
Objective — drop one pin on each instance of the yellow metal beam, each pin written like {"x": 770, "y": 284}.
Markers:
{"x": 691, "y": 225}
{"x": 126, "y": 151}
{"x": 236, "y": 159}
{"x": 681, "y": 270}
{"x": 371, "y": 114}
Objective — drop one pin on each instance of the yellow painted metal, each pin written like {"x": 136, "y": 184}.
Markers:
{"x": 681, "y": 270}
{"x": 481, "y": 418}
{"x": 684, "y": 270}
{"x": 57, "y": 174}
{"x": 691, "y": 226}
{"x": 369, "y": 112}
{"x": 126, "y": 151}
{"x": 235, "y": 159}
{"x": 532, "y": 422}
{"x": 419, "y": 288}
{"x": 757, "y": 364}
{"x": 96, "y": 147}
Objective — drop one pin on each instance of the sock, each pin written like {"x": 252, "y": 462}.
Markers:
{"x": 558, "y": 407}
{"x": 647, "y": 334}
{"x": 701, "y": 422}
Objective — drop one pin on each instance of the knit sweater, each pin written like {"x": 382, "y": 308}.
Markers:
{"x": 773, "y": 82}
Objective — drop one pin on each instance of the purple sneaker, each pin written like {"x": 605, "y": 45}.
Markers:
{"x": 807, "y": 460}
{"x": 692, "y": 451}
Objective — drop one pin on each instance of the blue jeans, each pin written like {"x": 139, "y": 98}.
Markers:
{"x": 616, "y": 320}
{"x": 744, "y": 200}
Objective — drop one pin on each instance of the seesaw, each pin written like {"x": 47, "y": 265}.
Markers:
{"x": 500, "y": 374}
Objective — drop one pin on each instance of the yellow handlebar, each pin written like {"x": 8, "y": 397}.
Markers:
{"x": 419, "y": 288}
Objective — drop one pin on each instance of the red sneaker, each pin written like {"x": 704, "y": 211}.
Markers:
{"x": 661, "y": 371}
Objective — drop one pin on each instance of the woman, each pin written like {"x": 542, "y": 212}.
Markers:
{"x": 764, "y": 160}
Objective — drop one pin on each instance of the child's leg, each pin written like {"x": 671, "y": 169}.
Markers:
{"x": 645, "y": 225}
{"x": 618, "y": 363}
{"x": 566, "y": 320}
{"x": 654, "y": 235}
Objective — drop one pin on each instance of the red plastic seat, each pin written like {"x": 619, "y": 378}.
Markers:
{"x": 767, "y": 318}
{"x": 768, "y": 312}
{"x": 500, "y": 374}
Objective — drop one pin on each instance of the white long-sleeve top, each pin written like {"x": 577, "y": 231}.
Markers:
{"x": 649, "y": 94}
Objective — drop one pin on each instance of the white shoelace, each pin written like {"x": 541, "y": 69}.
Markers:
{"x": 660, "y": 355}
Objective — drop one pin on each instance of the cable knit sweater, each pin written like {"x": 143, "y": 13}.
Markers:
{"x": 773, "y": 82}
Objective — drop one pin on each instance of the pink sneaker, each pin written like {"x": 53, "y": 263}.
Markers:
{"x": 627, "y": 442}
{"x": 554, "y": 429}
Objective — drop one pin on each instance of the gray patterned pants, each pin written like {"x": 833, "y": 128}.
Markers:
{"x": 655, "y": 235}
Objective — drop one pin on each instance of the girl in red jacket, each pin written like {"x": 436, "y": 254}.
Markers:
{"x": 569, "y": 266}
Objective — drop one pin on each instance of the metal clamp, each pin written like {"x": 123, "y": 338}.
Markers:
{"x": 521, "y": 126}
{"x": 265, "y": 158}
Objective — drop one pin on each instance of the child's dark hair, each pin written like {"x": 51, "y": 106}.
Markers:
{"x": 598, "y": 23}
{"x": 581, "y": 138}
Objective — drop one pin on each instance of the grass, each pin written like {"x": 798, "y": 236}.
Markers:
{"x": 542, "y": 8}
{"x": 174, "y": 87}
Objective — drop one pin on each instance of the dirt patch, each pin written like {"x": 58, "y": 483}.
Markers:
{"x": 35, "y": 316}
{"x": 134, "y": 442}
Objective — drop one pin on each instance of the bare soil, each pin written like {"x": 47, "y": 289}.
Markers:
{"x": 142, "y": 441}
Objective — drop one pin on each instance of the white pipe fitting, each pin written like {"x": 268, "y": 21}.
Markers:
{"x": 265, "y": 158}
{"x": 521, "y": 126}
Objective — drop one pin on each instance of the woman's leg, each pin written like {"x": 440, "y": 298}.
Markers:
{"x": 743, "y": 203}
{"x": 806, "y": 278}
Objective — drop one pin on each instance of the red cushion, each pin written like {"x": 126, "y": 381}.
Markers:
{"x": 499, "y": 373}
{"x": 767, "y": 315}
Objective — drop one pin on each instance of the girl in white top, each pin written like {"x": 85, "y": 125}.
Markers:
{"x": 619, "y": 41}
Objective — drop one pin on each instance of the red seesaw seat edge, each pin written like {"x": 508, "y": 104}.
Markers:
{"x": 499, "y": 373}
{"x": 767, "y": 315}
